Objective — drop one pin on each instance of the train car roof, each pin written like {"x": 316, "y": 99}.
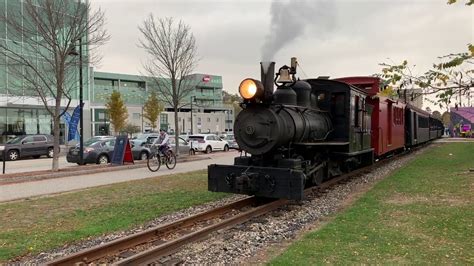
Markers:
{"x": 334, "y": 83}
{"x": 418, "y": 110}
{"x": 371, "y": 85}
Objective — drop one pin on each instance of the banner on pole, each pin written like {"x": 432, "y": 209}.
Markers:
{"x": 67, "y": 119}
{"x": 73, "y": 123}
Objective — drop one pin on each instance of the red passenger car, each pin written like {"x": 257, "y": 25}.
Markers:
{"x": 388, "y": 129}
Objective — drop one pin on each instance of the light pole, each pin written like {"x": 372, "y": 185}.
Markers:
{"x": 81, "y": 120}
{"x": 192, "y": 99}
{"x": 81, "y": 103}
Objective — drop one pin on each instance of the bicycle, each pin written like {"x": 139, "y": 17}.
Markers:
{"x": 155, "y": 160}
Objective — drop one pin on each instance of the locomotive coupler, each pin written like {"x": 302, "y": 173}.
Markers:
{"x": 247, "y": 182}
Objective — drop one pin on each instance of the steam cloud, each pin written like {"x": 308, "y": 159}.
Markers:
{"x": 290, "y": 20}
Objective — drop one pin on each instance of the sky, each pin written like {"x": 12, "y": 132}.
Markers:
{"x": 330, "y": 38}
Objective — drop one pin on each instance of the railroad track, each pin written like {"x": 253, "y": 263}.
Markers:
{"x": 149, "y": 246}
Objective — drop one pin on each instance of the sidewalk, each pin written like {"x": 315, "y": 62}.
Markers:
{"x": 34, "y": 170}
{"x": 24, "y": 190}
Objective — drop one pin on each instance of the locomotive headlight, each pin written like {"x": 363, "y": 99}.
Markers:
{"x": 251, "y": 89}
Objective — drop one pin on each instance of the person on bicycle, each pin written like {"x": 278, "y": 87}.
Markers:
{"x": 163, "y": 142}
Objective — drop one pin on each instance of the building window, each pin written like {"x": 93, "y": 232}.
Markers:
{"x": 136, "y": 115}
{"x": 132, "y": 84}
{"x": 208, "y": 119}
{"x": 217, "y": 119}
{"x": 104, "y": 82}
{"x": 164, "y": 121}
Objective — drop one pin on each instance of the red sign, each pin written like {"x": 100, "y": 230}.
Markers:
{"x": 206, "y": 78}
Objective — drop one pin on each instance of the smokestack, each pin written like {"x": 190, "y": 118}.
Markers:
{"x": 267, "y": 75}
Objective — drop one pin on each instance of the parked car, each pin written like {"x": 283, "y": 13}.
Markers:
{"x": 143, "y": 139}
{"x": 184, "y": 146}
{"x": 230, "y": 138}
{"x": 208, "y": 143}
{"x": 29, "y": 146}
{"x": 140, "y": 152}
{"x": 95, "y": 138}
{"x": 101, "y": 149}
{"x": 95, "y": 151}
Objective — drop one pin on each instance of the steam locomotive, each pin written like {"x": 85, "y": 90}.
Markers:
{"x": 308, "y": 131}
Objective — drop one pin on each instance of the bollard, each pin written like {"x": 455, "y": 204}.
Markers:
{"x": 4, "y": 157}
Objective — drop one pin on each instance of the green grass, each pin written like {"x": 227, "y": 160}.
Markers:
{"x": 32, "y": 226}
{"x": 421, "y": 214}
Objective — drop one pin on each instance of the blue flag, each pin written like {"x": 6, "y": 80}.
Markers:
{"x": 67, "y": 119}
{"x": 73, "y": 122}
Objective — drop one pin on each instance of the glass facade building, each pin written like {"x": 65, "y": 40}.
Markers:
{"x": 21, "y": 110}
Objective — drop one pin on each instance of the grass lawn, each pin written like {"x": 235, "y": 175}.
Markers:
{"x": 422, "y": 214}
{"x": 32, "y": 226}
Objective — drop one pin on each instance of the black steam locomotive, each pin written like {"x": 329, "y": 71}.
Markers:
{"x": 298, "y": 135}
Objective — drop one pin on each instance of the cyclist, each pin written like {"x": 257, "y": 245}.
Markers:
{"x": 163, "y": 142}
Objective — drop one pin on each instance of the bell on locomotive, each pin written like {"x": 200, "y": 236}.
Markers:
{"x": 272, "y": 130}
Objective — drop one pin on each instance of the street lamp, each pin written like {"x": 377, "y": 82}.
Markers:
{"x": 81, "y": 103}
{"x": 192, "y": 99}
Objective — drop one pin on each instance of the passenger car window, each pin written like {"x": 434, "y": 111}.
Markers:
{"x": 182, "y": 142}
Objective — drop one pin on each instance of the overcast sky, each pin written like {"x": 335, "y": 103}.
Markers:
{"x": 329, "y": 38}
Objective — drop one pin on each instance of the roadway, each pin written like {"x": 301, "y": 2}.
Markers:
{"x": 24, "y": 190}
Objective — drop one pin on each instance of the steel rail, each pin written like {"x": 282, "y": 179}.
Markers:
{"x": 94, "y": 253}
{"x": 167, "y": 248}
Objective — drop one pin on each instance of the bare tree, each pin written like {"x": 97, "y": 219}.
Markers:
{"x": 38, "y": 53}
{"x": 172, "y": 52}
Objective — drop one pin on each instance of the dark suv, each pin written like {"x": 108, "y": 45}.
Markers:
{"x": 29, "y": 145}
